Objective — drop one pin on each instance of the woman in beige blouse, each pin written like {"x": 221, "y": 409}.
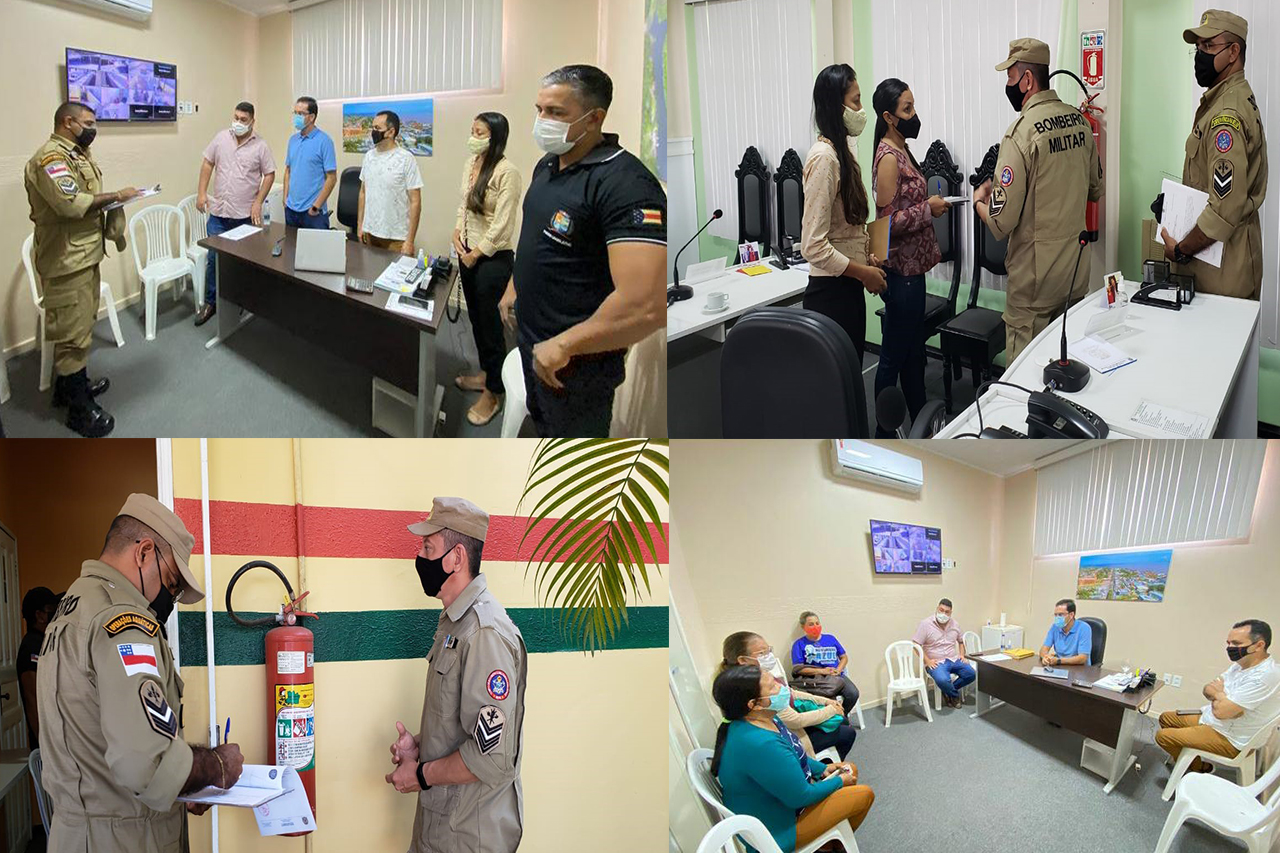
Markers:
{"x": 484, "y": 240}
{"x": 833, "y": 231}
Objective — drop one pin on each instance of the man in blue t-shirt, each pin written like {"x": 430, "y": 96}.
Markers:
{"x": 1069, "y": 641}
{"x": 310, "y": 170}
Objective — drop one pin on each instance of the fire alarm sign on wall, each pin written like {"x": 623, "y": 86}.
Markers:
{"x": 1091, "y": 55}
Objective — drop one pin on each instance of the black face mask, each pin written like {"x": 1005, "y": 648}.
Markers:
{"x": 1015, "y": 96}
{"x": 1206, "y": 73}
{"x": 86, "y": 136}
{"x": 1237, "y": 652}
{"x": 909, "y": 127}
{"x": 432, "y": 574}
{"x": 377, "y": 135}
{"x": 162, "y": 604}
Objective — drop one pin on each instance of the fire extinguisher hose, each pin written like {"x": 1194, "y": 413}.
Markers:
{"x": 265, "y": 621}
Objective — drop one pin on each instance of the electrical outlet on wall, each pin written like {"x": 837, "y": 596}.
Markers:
{"x": 948, "y": 564}
{"x": 1168, "y": 677}
{"x": 1177, "y": 681}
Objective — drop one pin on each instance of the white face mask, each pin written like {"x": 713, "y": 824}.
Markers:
{"x": 478, "y": 144}
{"x": 239, "y": 128}
{"x": 768, "y": 661}
{"x": 553, "y": 136}
{"x": 942, "y": 618}
{"x": 854, "y": 121}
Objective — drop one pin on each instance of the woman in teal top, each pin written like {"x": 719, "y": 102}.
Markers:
{"x": 764, "y": 772}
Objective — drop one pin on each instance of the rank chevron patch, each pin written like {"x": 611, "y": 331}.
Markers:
{"x": 488, "y": 730}
{"x": 1222, "y": 178}
{"x": 159, "y": 715}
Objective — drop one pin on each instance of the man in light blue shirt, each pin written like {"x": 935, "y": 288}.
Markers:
{"x": 310, "y": 170}
{"x": 1069, "y": 641}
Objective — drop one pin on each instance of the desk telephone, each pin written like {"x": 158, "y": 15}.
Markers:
{"x": 1051, "y": 416}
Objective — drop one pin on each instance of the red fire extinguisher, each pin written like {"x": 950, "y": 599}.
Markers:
{"x": 291, "y": 687}
{"x": 1091, "y": 114}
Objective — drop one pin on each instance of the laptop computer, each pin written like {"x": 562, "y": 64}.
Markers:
{"x": 1049, "y": 672}
{"x": 320, "y": 250}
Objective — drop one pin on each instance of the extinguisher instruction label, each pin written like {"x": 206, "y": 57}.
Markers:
{"x": 291, "y": 663}
{"x": 295, "y": 725}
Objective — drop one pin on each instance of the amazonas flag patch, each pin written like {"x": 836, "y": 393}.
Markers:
{"x": 138, "y": 659}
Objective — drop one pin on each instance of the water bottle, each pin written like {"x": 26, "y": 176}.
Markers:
{"x": 266, "y": 216}
{"x": 422, "y": 259}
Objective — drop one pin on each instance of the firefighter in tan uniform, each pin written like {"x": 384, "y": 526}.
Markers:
{"x": 110, "y": 696}
{"x": 465, "y": 764}
{"x": 1047, "y": 170}
{"x": 64, "y": 190}
{"x": 1226, "y": 157}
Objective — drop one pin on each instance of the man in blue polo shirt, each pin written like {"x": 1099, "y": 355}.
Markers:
{"x": 310, "y": 170}
{"x": 1069, "y": 641}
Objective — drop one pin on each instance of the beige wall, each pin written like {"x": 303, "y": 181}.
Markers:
{"x": 766, "y": 531}
{"x": 679, "y": 98}
{"x": 1210, "y": 588}
{"x": 212, "y": 44}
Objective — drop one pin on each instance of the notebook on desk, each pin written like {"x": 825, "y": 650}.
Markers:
{"x": 1019, "y": 654}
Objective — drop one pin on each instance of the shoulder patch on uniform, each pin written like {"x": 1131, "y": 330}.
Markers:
{"x": 127, "y": 621}
{"x": 488, "y": 730}
{"x": 1224, "y": 119}
{"x": 68, "y": 185}
{"x": 1222, "y": 140}
{"x": 1223, "y": 177}
{"x": 57, "y": 169}
{"x": 53, "y": 157}
{"x": 1006, "y": 176}
{"x": 498, "y": 685}
{"x": 138, "y": 659}
{"x": 158, "y": 713}
{"x": 998, "y": 199}
{"x": 647, "y": 216}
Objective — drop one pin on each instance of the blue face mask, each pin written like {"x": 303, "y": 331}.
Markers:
{"x": 780, "y": 700}
{"x": 1059, "y": 622}
{"x": 298, "y": 122}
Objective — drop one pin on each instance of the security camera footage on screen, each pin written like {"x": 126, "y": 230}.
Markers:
{"x": 906, "y": 549}
{"x": 122, "y": 89}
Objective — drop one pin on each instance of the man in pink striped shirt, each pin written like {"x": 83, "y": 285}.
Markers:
{"x": 943, "y": 645}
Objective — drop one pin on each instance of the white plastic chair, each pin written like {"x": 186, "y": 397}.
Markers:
{"x": 1227, "y": 809}
{"x": 719, "y": 839}
{"x": 969, "y": 637}
{"x": 36, "y": 765}
{"x": 905, "y": 661}
{"x": 37, "y": 298}
{"x": 275, "y": 204}
{"x": 1245, "y": 763}
{"x": 857, "y": 709}
{"x": 698, "y": 765}
{"x": 164, "y": 262}
{"x": 197, "y": 225}
{"x": 514, "y": 408}
{"x": 4, "y": 374}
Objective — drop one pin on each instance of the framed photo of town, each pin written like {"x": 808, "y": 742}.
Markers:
{"x": 1124, "y": 576}
{"x": 416, "y": 124}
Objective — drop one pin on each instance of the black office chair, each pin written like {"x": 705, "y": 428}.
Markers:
{"x": 944, "y": 179}
{"x": 1099, "y": 645}
{"x": 976, "y": 333}
{"x": 790, "y": 373}
{"x": 349, "y": 199}
{"x": 753, "y": 201}
{"x": 789, "y": 180}
{"x": 892, "y": 415}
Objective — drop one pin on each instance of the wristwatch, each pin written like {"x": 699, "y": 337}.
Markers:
{"x": 421, "y": 780}
{"x": 1178, "y": 257}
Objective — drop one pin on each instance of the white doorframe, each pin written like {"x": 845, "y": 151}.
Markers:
{"x": 164, "y": 494}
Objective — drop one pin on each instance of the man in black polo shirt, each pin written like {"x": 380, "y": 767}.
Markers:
{"x": 37, "y": 609}
{"x": 588, "y": 279}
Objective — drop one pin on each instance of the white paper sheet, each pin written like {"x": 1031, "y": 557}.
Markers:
{"x": 1182, "y": 207}
{"x": 704, "y": 270}
{"x": 240, "y": 232}
{"x": 1098, "y": 354}
{"x": 956, "y": 199}
{"x": 996, "y": 657}
{"x": 288, "y": 813}
{"x": 145, "y": 193}
{"x": 258, "y": 784}
{"x": 1175, "y": 422}
{"x": 393, "y": 276}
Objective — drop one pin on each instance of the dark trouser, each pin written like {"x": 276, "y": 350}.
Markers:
{"x": 304, "y": 219}
{"x": 215, "y": 226}
{"x": 583, "y": 408}
{"x": 842, "y": 738}
{"x": 848, "y": 693}
{"x": 902, "y": 341}
{"x": 483, "y": 285}
{"x": 844, "y": 300}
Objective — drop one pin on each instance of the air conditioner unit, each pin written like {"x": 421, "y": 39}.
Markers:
{"x": 139, "y": 10}
{"x": 871, "y": 463}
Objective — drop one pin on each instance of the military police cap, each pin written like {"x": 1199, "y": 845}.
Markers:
{"x": 1026, "y": 50}
{"x": 1216, "y": 21}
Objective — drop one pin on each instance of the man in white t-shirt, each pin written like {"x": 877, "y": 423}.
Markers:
{"x": 1241, "y": 701}
{"x": 390, "y": 190}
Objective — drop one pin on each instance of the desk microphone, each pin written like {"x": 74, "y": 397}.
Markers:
{"x": 1064, "y": 373}
{"x": 679, "y": 292}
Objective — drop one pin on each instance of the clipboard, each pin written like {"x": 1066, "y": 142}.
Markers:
{"x": 878, "y": 237}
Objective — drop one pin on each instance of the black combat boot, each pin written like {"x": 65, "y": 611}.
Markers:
{"x": 83, "y": 414}
{"x": 60, "y": 397}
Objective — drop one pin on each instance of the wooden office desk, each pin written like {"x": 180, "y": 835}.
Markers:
{"x": 1106, "y": 717}
{"x": 318, "y": 307}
